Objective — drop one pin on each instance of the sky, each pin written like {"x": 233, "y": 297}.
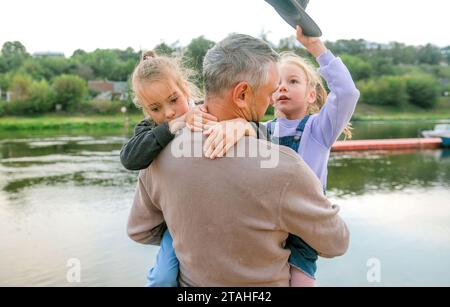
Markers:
{"x": 67, "y": 25}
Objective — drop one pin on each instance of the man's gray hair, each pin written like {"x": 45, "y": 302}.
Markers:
{"x": 236, "y": 59}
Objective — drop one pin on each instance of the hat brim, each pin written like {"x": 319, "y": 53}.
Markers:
{"x": 295, "y": 15}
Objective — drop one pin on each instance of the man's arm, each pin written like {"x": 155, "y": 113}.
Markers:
{"x": 307, "y": 213}
{"x": 145, "y": 146}
{"x": 146, "y": 221}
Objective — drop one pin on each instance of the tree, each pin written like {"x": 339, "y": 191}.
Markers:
{"x": 381, "y": 66}
{"x": 430, "y": 55}
{"x": 164, "y": 49}
{"x": 359, "y": 68}
{"x": 352, "y": 47}
{"x": 446, "y": 53}
{"x": 20, "y": 88}
{"x": 401, "y": 54}
{"x": 195, "y": 53}
{"x": 387, "y": 91}
{"x": 46, "y": 67}
{"x": 29, "y": 97}
{"x": 41, "y": 98}
{"x": 197, "y": 50}
{"x": 423, "y": 90}
{"x": 13, "y": 54}
{"x": 287, "y": 43}
{"x": 69, "y": 91}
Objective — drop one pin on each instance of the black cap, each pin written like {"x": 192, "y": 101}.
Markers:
{"x": 293, "y": 12}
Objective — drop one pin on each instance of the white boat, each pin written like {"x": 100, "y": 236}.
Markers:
{"x": 439, "y": 130}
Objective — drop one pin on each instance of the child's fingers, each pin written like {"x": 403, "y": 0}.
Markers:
{"x": 199, "y": 126}
{"x": 204, "y": 117}
{"x": 211, "y": 123}
{"x": 208, "y": 151}
{"x": 209, "y": 140}
{"x": 208, "y": 131}
{"x": 207, "y": 125}
{"x": 194, "y": 128}
{"x": 219, "y": 149}
{"x": 215, "y": 145}
{"x": 225, "y": 150}
{"x": 209, "y": 117}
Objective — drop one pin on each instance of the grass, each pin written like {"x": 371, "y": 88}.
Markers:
{"x": 363, "y": 112}
{"x": 366, "y": 112}
{"x": 49, "y": 122}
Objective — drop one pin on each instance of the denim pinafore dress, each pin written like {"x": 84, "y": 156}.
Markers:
{"x": 303, "y": 256}
{"x": 291, "y": 141}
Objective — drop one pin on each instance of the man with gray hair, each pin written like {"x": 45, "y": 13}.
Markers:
{"x": 230, "y": 218}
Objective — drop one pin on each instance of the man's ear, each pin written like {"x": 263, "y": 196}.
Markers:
{"x": 242, "y": 94}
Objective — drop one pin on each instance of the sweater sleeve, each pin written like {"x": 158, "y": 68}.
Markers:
{"x": 146, "y": 222}
{"x": 308, "y": 214}
{"x": 341, "y": 101}
{"x": 146, "y": 144}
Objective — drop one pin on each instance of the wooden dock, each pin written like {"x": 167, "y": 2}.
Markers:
{"x": 388, "y": 144}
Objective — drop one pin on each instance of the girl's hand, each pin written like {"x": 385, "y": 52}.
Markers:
{"x": 177, "y": 124}
{"x": 198, "y": 119}
{"x": 225, "y": 135}
{"x": 314, "y": 45}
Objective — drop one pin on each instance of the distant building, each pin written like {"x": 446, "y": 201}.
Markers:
{"x": 52, "y": 54}
{"x": 5, "y": 96}
{"x": 110, "y": 90}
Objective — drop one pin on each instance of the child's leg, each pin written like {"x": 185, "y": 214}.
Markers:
{"x": 300, "y": 279}
{"x": 303, "y": 262}
{"x": 165, "y": 271}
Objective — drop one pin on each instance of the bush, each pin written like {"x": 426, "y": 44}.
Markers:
{"x": 270, "y": 111}
{"x": 385, "y": 91}
{"x": 41, "y": 98}
{"x": 20, "y": 87}
{"x": 2, "y": 108}
{"x": 99, "y": 106}
{"x": 69, "y": 91}
{"x": 29, "y": 97}
{"x": 423, "y": 91}
{"x": 358, "y": 68}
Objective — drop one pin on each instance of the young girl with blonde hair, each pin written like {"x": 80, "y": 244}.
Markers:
{"x": 162, "y": 90}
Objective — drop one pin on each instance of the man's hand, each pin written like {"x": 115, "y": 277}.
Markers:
{"x": 198, "y": 119}
{"x": 314, "y": 45}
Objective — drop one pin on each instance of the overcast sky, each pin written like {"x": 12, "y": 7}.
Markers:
{"x": 67, "y": 25}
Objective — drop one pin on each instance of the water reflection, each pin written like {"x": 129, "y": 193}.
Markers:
{"x": 67, "y": 196}
{"x": 393, "y": 129}
{"x": 359, "y": 173}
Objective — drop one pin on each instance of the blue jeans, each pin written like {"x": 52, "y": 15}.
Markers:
{"x": 303, "y": 256}
{"x": 165, "y": 271}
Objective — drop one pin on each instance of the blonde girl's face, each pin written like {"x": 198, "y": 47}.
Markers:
{"x": 163, "y": 101}
{"x": 294, "y": 95}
